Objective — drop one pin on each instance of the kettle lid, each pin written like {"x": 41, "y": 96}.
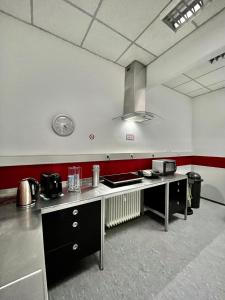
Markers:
{"x": 50, "y": 175}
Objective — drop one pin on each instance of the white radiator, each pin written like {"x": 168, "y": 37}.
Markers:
{"x": 122, "y": 208}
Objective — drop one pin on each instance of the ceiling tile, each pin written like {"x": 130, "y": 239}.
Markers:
{"x": 88, "y": 5}
{"x": 105, "y": 41}
{"x": 19, "y": 9}
{"x": 135, "y": 53}
{"x": 130, "y": 17}
{"x": 188, "y": 87}
{"x": 198, "y": 92}
{"x": 159, "y": 37}
{"x": 217, "y": 85}
{"x": 213, "y": 77}
{"x": 209, "y": 11}
{"x": 204, "y": 68}
{"x": 177, "y": 81}
{"x": 60, "y": 18}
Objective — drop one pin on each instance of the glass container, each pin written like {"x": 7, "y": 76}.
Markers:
{"x": 74, "y": 179}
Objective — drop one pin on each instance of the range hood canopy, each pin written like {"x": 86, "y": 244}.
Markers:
{"x": 135, "y": 94}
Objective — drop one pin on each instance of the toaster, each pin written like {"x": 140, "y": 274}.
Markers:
{"x": 164, "y": 166}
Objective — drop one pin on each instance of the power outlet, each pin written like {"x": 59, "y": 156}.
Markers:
{"x": 129, "y": 137}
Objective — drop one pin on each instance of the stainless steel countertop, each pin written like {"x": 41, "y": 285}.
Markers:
{"x": 89, "y": 194}
{"x": 21, "y": 243}
{"x": 21, "y": 240}
{"x": 109, "y": 192}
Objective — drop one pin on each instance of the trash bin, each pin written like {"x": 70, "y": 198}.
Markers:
{"x": 194, "y": 181}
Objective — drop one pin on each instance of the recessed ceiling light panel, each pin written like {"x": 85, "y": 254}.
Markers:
{"x": 216, "y": 58}
{"x": 183, "y": 12}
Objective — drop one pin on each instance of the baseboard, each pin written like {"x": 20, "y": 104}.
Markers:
{"x": 213, "y": 201}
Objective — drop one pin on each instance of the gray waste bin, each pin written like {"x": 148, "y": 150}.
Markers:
{"x": 194, "y": 181}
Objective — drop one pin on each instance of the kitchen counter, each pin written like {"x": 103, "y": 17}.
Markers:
{"x": 110, "y": 192}
{"x": 89, "y": 194}
{"x": 21, "y": 237}
{"x": 69, "y": 199}
{"x": 21, "y": 243}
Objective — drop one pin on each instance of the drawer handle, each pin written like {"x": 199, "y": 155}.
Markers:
{"x": 75, "y": 212}
{"x": 75, "y": 247}
{"x": 178, "y": 190}
{"x": 178, "y": 183}
{"x": 178, "y": 203}
{"x": 75, "y": 224}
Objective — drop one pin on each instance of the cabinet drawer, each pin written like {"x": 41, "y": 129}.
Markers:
{"x": 178, "y": 189}
{"x": 64, "y": 226}
{"x": 177, "y": 196}
{"x": 64, "y": 260}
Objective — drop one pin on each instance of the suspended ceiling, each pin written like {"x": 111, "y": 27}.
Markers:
{"x": 118, "y": 30}
{"x": 204, "y": 78}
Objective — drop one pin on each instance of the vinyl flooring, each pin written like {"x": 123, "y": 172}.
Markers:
{"x": 144, "y": 262}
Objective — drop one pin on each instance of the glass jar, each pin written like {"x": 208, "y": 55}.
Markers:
{"x": 74, "y": 179}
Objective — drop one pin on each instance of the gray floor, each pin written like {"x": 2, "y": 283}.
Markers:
{"x": 144, "y": 262}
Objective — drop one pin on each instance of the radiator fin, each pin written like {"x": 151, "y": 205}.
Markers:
{"x": 122, "y": 208}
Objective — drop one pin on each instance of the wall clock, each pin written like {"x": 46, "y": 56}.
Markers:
{"x": 63, "y": 125}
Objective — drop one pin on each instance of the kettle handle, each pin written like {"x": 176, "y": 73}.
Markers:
{"x": 34, "y": 187}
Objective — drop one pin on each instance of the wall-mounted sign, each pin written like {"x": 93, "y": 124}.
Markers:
{"x": 129, "y": 137}
{"x": 92, "y": 136}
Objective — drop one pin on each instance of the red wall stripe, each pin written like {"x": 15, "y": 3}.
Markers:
{"x": 209, "y": 161}
{"x": 11, "y": 176}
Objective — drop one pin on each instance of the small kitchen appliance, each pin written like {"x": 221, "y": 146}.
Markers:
{"x": 164, "y": 166}
{"x": 117, "y": 180}
{"x": 148, "y": 173}
{"x": 27, "y": 193}
{"x": 51, "y": 186}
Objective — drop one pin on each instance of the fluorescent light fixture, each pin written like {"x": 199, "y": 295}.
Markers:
{"x": 182, "y": 20}
{"x": 183, "y": 12}
{"x": 197, "y": 7}
{"x": 189, "y": 14}
{"x": 216, "y": 58}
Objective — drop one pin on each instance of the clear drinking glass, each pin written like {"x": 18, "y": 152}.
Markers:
{"x": 74, "y": 179}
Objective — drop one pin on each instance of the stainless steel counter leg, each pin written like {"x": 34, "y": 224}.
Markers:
{"x": 142, "y": 202}
{"x": 167, "y": 207}
{"x": 101, "y": 254}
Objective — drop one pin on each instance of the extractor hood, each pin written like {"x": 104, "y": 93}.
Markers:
{"x": 135, "y": 94}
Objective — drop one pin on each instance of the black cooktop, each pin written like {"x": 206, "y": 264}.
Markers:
{"x": 122, "y": 179}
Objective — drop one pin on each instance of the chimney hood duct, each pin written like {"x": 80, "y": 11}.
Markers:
{"x": 135, "y": 94}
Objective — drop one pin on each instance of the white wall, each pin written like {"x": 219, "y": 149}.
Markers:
{"x": 209, "y": 124}
{"x": 41, "y": 76}
{"x": 184, "y": 169}
{"x": 209, "y": 140}
{"x": 173, "y": 130}
{"x": 213, "y": 186}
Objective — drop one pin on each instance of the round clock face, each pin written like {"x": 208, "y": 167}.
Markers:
{"x": 63, "y": 125}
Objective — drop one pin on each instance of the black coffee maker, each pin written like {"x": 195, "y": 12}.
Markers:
{"x": 51, "y": 185}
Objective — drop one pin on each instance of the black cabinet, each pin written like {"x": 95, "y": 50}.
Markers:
{"x": 154, "y": 197}
{"x": 69, "y": 235}
{"x": 177, "y": 196}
